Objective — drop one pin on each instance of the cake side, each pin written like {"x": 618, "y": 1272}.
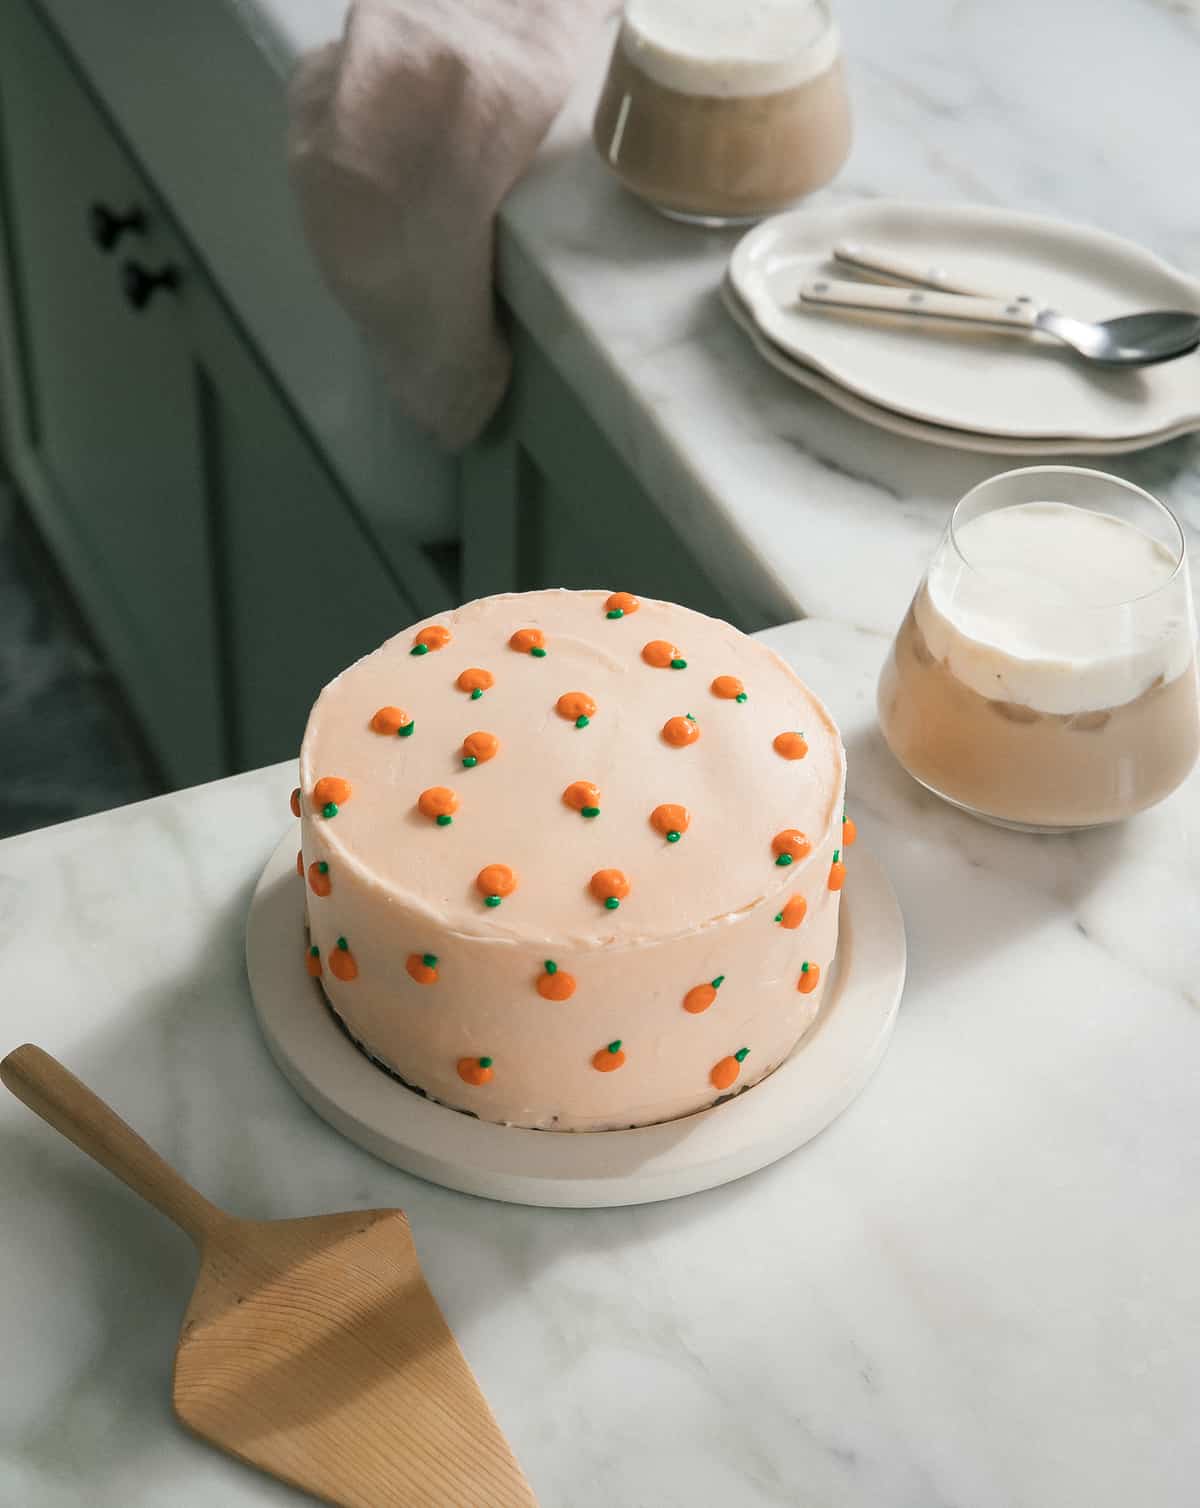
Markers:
{"x": 489, "y": 925}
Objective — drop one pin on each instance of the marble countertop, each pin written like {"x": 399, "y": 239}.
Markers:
{"x": 953, "y": 100}
{"x": 978, "y": 1287}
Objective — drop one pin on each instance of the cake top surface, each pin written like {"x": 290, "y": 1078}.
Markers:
{"x": 574, "y": 767}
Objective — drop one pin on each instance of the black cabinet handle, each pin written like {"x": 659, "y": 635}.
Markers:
{"x": 107, "y": 226}
{"x": 139, "y": 283}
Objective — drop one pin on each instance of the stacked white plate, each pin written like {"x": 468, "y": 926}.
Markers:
{"x": 955, "y": 386}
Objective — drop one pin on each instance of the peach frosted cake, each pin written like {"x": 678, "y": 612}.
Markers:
{"x": 572, "y": 860}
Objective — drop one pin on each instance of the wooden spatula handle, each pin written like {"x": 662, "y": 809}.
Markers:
{"x": 42, "y": 1083}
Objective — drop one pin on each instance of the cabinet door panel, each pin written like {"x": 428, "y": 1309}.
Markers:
{"x": 114, "y": 415}
{"x": 305, "y": 591}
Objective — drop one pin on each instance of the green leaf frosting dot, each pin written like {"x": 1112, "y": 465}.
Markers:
{"x": 538, "y": 653}
{"x": 322, "y": 867}
{"x": 612, "y": 903}
{"x": 315, "y": 951}
{"x": 419, "y": 649}
{"x": 485, "y": 1062}
{"x": 678, "y": 664}
{"x": 470, "y": 762}
{"x": 429, "y": 960}
{"x": 550, "y": 966}
{"x": 742, "y": 1054}
{"x": 444, "y": 819}
{"x": 582, "y": 722}
{"x": 405, "y": 730}
{"x": 330, "y": 809}
{"x": 616, "y": 612}
{"x": 491, "y": 900}
{"x": 477, "y": 693}
{"x": 784, "y": 860}
{"x": 589, "y": 811}
{"x": 615, "y": 1047}
{"x": 343, "y": 944}
{"x": 673, "y": 836}
{"x": 779, "y": 916}
{"x": 718, "y": 981}
{"x": 740, "y": 697}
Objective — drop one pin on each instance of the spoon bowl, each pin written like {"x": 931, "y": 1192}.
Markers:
{"x": 1132, "y": 340}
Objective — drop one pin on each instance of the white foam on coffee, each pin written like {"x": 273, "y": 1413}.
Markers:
{"x": 730, "y": 49}
{"x": 1035, "y": 617}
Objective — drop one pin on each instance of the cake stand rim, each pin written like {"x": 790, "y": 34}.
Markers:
{"x": 824, "y": 1073}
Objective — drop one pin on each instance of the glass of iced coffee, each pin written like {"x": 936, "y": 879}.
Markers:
{"x": 719, "y": 114}
{"x": 1045, "y": 674}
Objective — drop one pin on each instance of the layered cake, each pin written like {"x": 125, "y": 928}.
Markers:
{"x": 572, "y": 860}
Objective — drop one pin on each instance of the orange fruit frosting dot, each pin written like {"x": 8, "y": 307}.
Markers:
{"x": 495, "y": 879}
{"x": 609, "y": 885}
{"x": 660, "y": 653}
{"x": 810, "y": 977}
{"x": 790, "y": 745}
{"x": 332, "y": 790}
{"x": 422, "y": 967}
{"x": 342, "y": 964}
{"x": 312, "y": 962}
{"x": 554, "y": 983}
{"x": 837, "y": 871}
{"x": 527, "y": 639}
{"x": 728, "y": 687}
{"x": 849, "y": 831}
{"x": 681, "y": 731}
{"x": 437, "y": 801}
{"x": 475, "y": 679}
{"x": 435, "y": 636}
{"x": 480, "y": 747}
{"x": 609, "y": 1058}
{"x": 389, "y": 720}
{"x": 299, "y": 863}
{"x": 621, "y": 604}
{"x": 791, "y": 843}
{"x": 581, "y": 793}
{"x": 670, "y": 818}
{"x": 793, "y": 913}
{"x": 295, "y": 802}
{"x": 575, "y": 704}
{"x": 699, "y": 998}
{"x": 725, "y": 1073}
{"x": 475, "y": 1071}
{"x": 318, "y": 878}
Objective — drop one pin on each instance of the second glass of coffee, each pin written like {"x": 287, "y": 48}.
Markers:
{"x": 719, "y": 114}
{"x": 1045, "y": 675}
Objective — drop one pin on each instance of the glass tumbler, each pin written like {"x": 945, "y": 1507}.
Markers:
{"x": 1044, "y": 676}
{"x": 719, "y": 114}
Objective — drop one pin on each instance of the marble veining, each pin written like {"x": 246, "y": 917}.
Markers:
{"x": 976, "y": 1289}
{"x": 953, "y": 100}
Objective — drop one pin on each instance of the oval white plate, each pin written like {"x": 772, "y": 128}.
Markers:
{"x": 932, "y": 434}
{"x": 991, "y": 384}
{"x": 579, "y": 1169}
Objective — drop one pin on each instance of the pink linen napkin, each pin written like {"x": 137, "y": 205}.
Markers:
{"x": 405, "y": 136}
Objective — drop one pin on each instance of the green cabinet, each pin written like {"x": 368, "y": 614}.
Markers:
{"x": 224, "y": 572}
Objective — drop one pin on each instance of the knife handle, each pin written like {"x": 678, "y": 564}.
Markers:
{"x": 872, "y": 298}
{"x": 908, "y": 271}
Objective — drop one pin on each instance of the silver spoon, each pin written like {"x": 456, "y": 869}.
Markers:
{"x": 1130, "y": 340}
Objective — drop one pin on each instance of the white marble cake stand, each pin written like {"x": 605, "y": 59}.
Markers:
{"x": 580, "y": 1169}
